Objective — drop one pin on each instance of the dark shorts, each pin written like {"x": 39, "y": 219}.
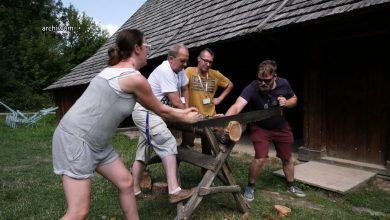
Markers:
{"x": 282, "y": 139}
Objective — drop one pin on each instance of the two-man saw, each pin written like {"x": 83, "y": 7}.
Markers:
{"x": 242, "y": 118}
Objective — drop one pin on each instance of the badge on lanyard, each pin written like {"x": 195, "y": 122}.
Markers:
{"x": 206, "y": 101}
{"x": 183, "y": 100}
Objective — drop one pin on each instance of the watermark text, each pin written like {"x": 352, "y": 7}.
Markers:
{"x": 57, "y": 28}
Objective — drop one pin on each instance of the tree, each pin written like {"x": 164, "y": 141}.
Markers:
{"x": 84, "y": 39}
{"x": 35, "y": 51}
{"x": 26, "y": 51}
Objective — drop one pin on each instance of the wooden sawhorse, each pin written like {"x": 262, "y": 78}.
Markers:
{"x": 222, "y": 142}
{"x": 216, "y": 166}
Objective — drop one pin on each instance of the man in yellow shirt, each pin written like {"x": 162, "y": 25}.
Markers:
{"x": 203, "y": 83}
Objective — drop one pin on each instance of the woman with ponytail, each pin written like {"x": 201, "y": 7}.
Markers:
{"x": 81, "y": 139}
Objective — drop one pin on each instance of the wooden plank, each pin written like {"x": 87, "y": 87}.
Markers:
{"x": 203, "y": 191}
{"x": 330, "y": 177}
{"x": 197, "y": 159}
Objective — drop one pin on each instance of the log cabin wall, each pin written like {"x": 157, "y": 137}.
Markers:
{"x": 338, "y": 72}
{"x": 345, "y": 88}
{"x": 354, "y": 90}
{"x": 65, "y": 98}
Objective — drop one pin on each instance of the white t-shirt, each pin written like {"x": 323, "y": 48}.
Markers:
{"x": 164, "y": 80}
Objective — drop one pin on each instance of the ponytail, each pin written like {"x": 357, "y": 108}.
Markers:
{"x": 124, "y": 45}
{"x": 113, "y": 55}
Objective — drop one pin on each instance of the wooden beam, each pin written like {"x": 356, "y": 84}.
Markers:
{"x": 196, "y": 158}
{"x": 218, "y": 189}
{"x": 180, "y": 211}
{"x": 243, "y": 206}
{"x": 213, "y": 142}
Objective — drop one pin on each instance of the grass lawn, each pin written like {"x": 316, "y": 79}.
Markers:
{"x": 30, "y": 189}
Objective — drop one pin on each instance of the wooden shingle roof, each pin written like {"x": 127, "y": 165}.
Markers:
{"x": 201, "y": 22}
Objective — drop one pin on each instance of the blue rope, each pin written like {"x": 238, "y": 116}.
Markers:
{"x": 147, "y": 129}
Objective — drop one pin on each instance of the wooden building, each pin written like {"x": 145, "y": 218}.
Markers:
{"x": 333, "y": 52}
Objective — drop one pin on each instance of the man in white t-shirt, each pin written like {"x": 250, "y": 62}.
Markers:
{"x": 169, "y": 84}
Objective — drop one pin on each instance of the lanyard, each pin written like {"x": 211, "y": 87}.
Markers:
{"x": 201, "y": 84}
{"x": 178, "y": 85}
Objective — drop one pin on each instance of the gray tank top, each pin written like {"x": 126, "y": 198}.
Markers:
{"x": 97, "y": 113}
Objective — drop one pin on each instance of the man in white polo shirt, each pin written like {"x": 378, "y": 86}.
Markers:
{"x": 169, "y": 84}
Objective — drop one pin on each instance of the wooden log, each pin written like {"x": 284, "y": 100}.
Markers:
{"x": 282, "y": 210}
{"x": 160, "y": 188}
{"x": 146, "y": 181}
{"x": 234, "y": 131}
{"x": 218, "y": 189}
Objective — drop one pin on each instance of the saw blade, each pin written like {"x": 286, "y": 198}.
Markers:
{"x": 243, "y": 118}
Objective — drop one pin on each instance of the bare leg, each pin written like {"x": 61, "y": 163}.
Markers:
{"x": 77, "y": 193}
{"x": 288, "y": 169}
{"x": 138, "y": 171}
{"x": 117, "y": 173}
{"x": 170, "y": 167}
{"x": 255, "y": 169}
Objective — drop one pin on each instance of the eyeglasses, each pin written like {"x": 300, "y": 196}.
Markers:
{"x": 148, "y": 46}
{"x": 266, "y": 81}
{"x": 210, "y": 62}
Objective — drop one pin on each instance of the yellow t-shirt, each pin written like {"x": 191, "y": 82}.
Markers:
{"x": 197, "y": 89}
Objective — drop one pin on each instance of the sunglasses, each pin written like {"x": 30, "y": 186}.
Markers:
{"x": 266, "y": 81}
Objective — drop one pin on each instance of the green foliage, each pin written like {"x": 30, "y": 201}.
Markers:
{"x": 85, "y": 37}
{"x": 33, "y": 57}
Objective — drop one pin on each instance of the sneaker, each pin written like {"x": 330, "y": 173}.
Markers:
{"x": 181, "y": 195}
{"x": 249, "y": 194}
{"x": 296, "y": 190}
